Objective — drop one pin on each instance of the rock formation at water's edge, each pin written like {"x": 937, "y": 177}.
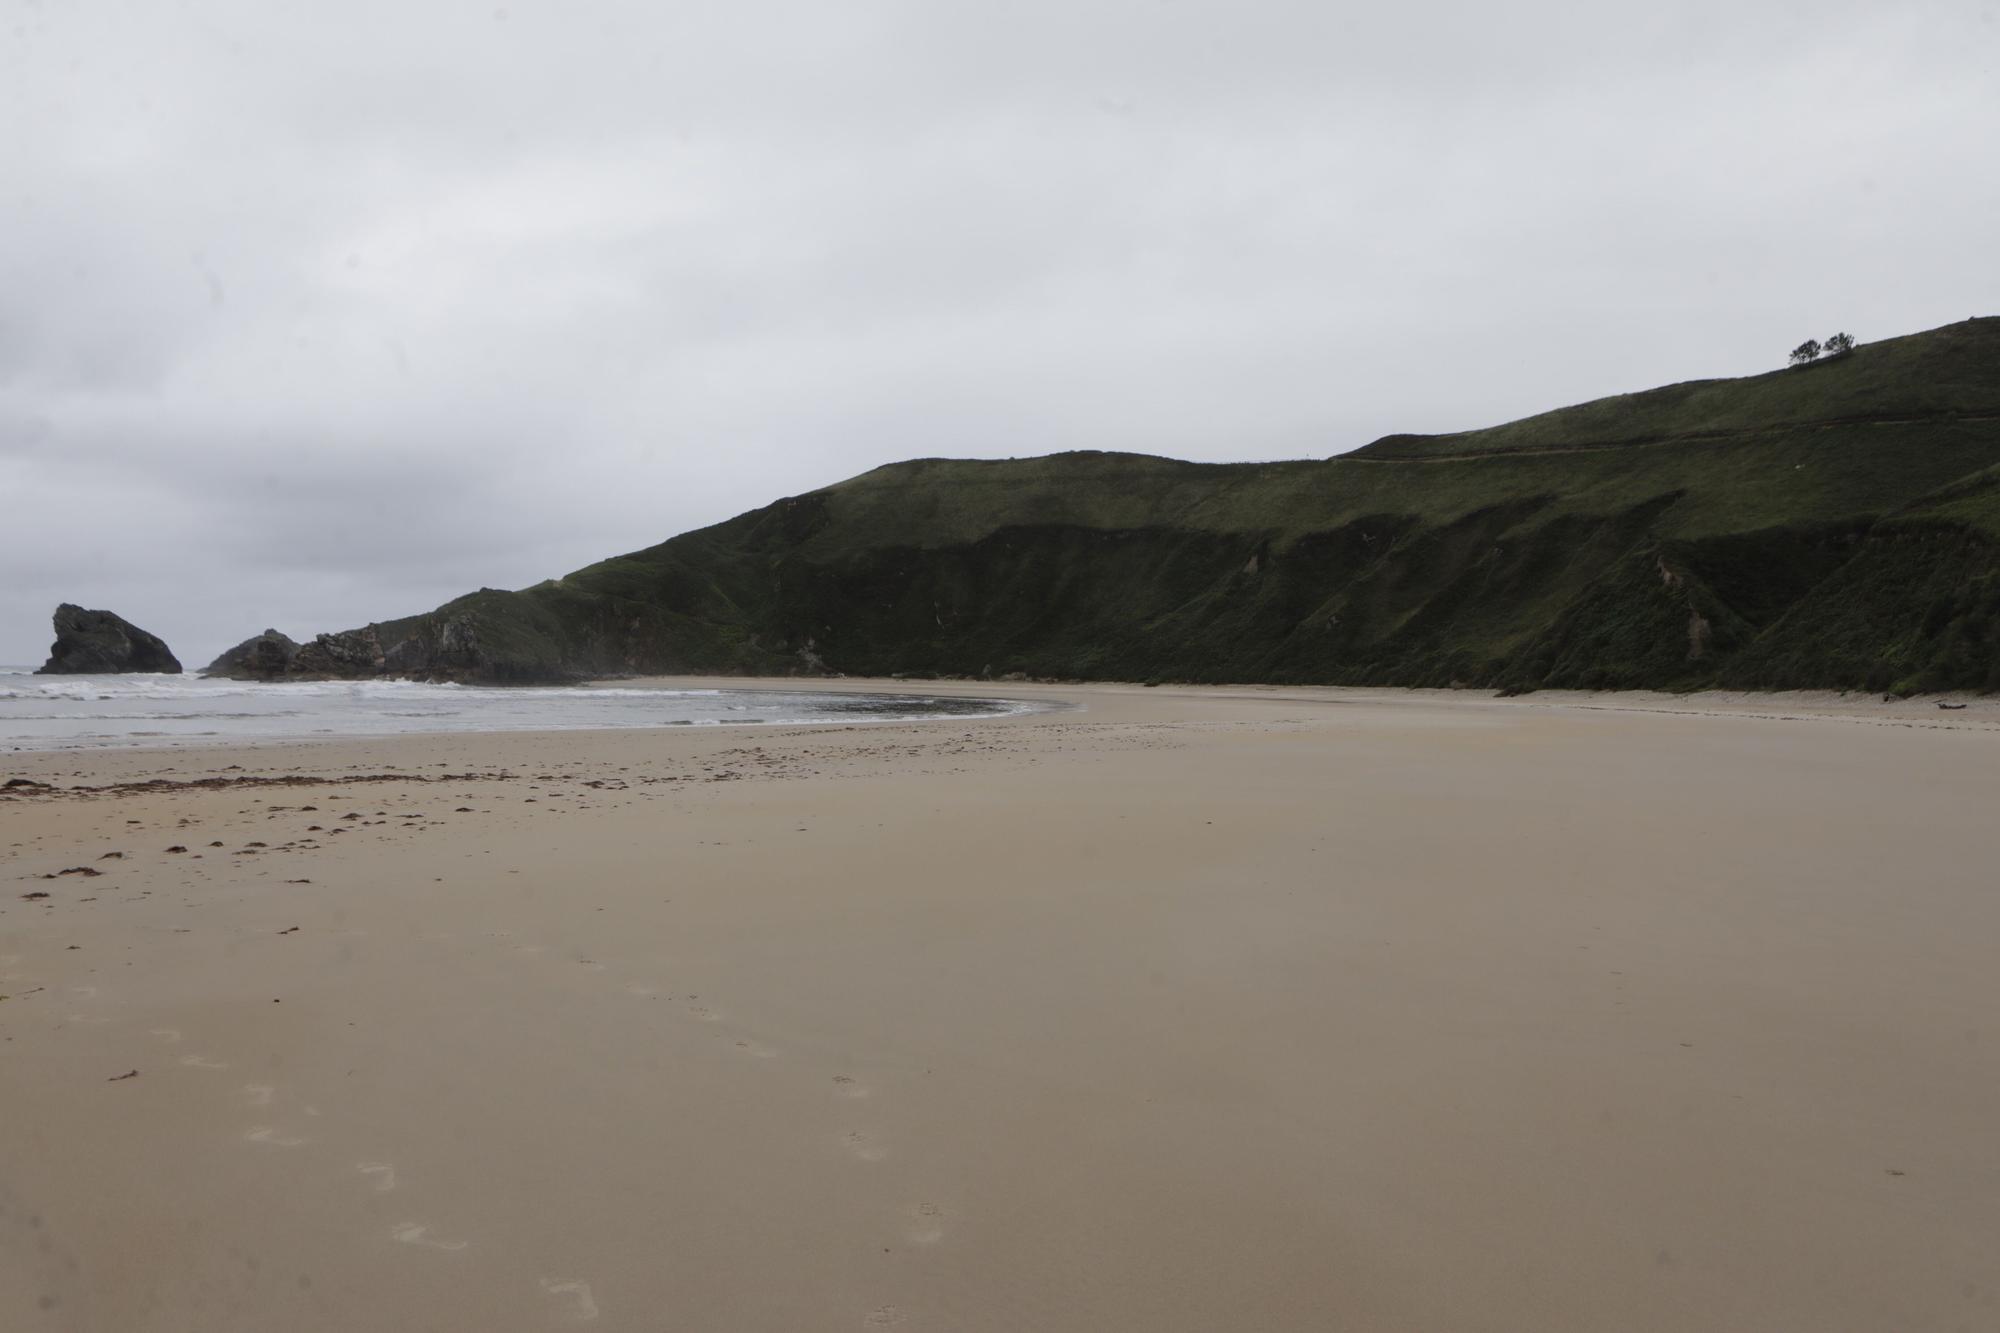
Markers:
{"x": 100, "y": 643}
{"x": 265, "y": 656}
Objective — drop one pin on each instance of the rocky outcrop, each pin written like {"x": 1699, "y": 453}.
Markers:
{"x": 349, "y": 654}
{"x": 446, "y": 648}
{"x": 100, "y": 643}
{"x": 267, "y": 656}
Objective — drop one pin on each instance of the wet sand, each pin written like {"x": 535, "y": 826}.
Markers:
{"x": 1189, "y": 1010}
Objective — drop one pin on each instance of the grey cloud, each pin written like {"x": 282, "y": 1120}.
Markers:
{"x": 312, "y": 314}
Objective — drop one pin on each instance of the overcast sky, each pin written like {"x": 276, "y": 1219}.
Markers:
{"x": 317, "y": 313}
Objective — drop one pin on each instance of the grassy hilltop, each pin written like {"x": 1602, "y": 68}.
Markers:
{"x": 1834, "y": 525}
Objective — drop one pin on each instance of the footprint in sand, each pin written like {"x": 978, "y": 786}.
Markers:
{"x": 416, "y": 1233}
{"x": 882, "y": 1316}
{"x": 757, "y": 1050}
{"x": 593, "y": 965}
{"x": 259, "y": 1094}
{"x": 843, "y": 1086}
{"x": 382, "y": 1173}
{"x": 926, "y": 1224}
{"x": 583, "y": 1306}
{"x": 202, "y": 1062}
{"x": 704, "y": 1013}
{"x": 266, "y": 1135}
{"x": 863, "y": 1147}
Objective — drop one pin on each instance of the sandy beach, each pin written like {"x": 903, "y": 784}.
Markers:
{"x": 1175, "y": 1010}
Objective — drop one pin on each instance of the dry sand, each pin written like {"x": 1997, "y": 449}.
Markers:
{"x": 1191, "y": 1010}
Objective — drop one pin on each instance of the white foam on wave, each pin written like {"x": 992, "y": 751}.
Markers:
{"x": 159, "y": 686}
{"x": 43, "y": 712}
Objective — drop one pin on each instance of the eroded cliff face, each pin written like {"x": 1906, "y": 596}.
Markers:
{"x": 1505, "y": 598}
{"x": 431, "y": 647}
{"x": 103, "y": 643}
{"x": 348, "y": 653}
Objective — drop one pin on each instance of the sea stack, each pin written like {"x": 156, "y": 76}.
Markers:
{"x": 100, "y": 643}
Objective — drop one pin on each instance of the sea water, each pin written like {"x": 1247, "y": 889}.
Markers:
{"x": 60, "y": 712}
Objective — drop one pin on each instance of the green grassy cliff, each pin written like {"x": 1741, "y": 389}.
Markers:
{"x": 1835, "y": 525}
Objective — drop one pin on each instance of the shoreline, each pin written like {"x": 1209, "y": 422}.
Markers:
{"x": 1817, "y": 703}
{"x": 1968, "y": 713}
{"x": 442, "y": 711}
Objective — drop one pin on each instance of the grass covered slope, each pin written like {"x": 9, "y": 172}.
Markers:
{"x": 1836, "y": 525}
{"x": 1942, "y": 374}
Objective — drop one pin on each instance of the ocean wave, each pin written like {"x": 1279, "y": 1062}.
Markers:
{"x": 165, "y": 688}
{"x": 142, "y": 709}
{"x": 150, "y": 717}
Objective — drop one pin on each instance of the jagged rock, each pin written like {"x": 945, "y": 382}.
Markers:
{"x": 458, "y": 644}
{"x": 435, "y": 648}
{"x": 265, "y": 657}
{"x": 347, "y": 654}
{"x": 407, "y": 657}
{"x": 100, "y": 643}
{"x": 438, "y": 649}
